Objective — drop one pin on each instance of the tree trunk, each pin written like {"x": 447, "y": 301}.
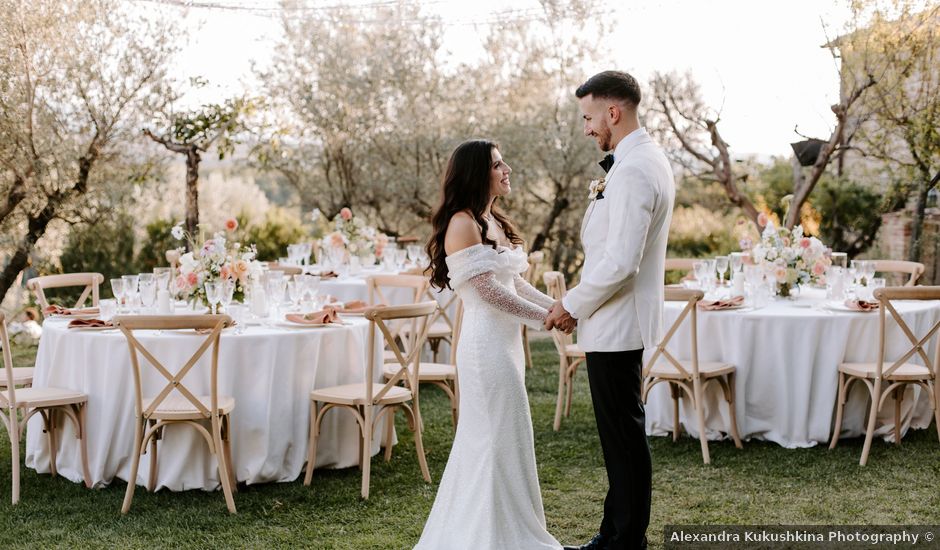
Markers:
{"x": 192, "y": 190}
{"x": 36, "y": 228}
{"x": 558, "y": 206}
{"x": 917, "y": 230}
{"x": 14, "y": 197}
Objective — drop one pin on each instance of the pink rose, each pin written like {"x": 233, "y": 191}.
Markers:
{"x": 780, "y": 274}
{"x": 804, "y": 242}
{"x": 786, "y": 241}
{"x": 192, "y": 279}
{"x": 762, "y": 219}
{"x": 819, "y": 268}
{"x": 336, "y": 240}
{"x": 225, "y": 273}
{"x": 346, "y": 214}
{"x": 231, "y": 225}
{"x": 181, "y": 283}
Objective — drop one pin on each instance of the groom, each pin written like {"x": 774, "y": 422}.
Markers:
{"x": 618, "y": 302}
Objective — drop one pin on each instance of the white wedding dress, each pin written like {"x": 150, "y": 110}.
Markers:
{"x": 489, "y": 494}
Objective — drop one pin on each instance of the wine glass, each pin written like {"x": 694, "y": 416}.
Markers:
{"x": 400, "y": 256}
{"x": 144, "y": 277}
{"x": 148, "y": 292}
{"x": 413, "y": 250}
{"x": 869, "y": 272}
{"x": 226, "y": 294}
{"x": 238, "y": 313}
{"x": 699, "y": 268}
{"x": 721, "y": 264}
{"x": 107, "y": 309}
{"x": 295, "y": 289}
{"x": 213, "y": 294}
{"x": 737, "y": 262}
{"x": 130, "y": 283}
{"x": 162, "y": 276}
{"x": 117, "y": 289}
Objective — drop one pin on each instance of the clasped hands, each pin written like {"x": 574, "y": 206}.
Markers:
{"x": 559, "y": 318}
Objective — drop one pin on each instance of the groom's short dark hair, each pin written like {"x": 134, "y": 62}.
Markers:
{"x": 611, "y": 85}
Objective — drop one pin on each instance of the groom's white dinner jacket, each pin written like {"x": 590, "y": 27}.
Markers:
{"x": 619, "y": 300}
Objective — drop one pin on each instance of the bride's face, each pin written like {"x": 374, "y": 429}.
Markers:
{"x": 499, "y": 175}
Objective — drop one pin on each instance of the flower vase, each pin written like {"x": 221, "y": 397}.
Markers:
{"x": 788, "y": 291}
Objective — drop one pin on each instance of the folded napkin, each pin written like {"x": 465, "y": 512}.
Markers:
{"x": 715, "y": 305}
{"x": 321, "y": 317}
{"x": 353, "y": 306}
{"x": 328, "y": 275}
{"x": 78, "y": 323}
{"x": 59, "y": 310}
{"x": 861, "y": 305}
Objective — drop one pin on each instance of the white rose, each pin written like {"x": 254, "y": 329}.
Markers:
{"x": 177, "y": 231}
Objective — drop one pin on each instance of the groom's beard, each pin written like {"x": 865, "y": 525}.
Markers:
{"x": 603, "y": 139}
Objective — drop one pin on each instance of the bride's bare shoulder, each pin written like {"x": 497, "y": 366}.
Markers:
{"x": 462, "y": 232}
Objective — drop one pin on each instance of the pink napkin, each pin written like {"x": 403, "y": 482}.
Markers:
{"x": 716, "y": 305}
{"x": 78, "y": 323}
{"x": 59, "y": 310}
{"x": 321, "y": 317}
{"x": 353, "y": 306}
{"x": 861, "y": 305}
{"x": 328, "y": 275}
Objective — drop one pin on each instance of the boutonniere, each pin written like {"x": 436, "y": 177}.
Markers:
{"x": 596, "y": 189}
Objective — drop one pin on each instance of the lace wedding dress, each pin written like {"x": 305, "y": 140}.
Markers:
{"x": 489, "y": 494}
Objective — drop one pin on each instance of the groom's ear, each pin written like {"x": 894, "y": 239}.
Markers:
{"x": 614, "y": 113}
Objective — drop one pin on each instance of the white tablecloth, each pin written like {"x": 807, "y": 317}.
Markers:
{"x": 787, "y": 355}
{"x": 269, "y": 371}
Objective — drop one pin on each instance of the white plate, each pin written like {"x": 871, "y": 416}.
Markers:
{"x": 288, "y": 324}
{"x": 94, "y": 329}
{"x": 839, "y": 306}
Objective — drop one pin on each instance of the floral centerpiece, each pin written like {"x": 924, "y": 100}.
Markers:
{"x": 355, "y": 236}
{"x": 790, "y": 257}
{"x": 215, "y": 259}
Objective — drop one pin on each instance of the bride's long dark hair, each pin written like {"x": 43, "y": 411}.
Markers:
{"x": 466, "y": 187}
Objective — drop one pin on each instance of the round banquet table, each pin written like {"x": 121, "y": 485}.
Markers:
{"x": 269, "y": 370}
{"x": 787, "y": 355}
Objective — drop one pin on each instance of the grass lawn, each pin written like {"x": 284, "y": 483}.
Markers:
{"x": 761, "y": 484}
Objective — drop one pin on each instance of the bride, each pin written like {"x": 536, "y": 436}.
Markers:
{"x": 489, "y": 494}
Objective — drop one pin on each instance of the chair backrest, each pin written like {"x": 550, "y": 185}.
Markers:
{"x": 7, "y": 398}
{"x": 556, "y": 288}
{"x": 419, "y": 315}
{"x": 914, "y": 269}
{"x": 91, "y": 282}
{"x": 691, "y": 299}
{"x": 918, "y": 345}
{"x": 442, "y": 308}
{"x": 212, "y": 323}
{"x": 535, "y": 259}
{"x": 378, "y": 284}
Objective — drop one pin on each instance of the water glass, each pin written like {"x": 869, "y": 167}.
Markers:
{"x": 737, "y": 262}
{"x": 869, "y": 271}
{"x": 107, "y": 309}
{"x": 238, "y": 313}
{"x": 295, "y": 289}
{"x": 227, "y": 294}
{"x": 148, "y": 292}
{"x": 721, "y": 264}
{"x": 145, "y": 277}
{"x": 130, "y": 283}
{"x": 400, "y": 256}
{"x": 213, "y": 294}
{"x": 700, "y": 270}
{"x": 162, "y": 276}
{"x": 835, "y": 283}
{"x": 413, "y": 251}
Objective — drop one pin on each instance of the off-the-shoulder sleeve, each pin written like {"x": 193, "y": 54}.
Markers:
{"x": 465, "y": 264}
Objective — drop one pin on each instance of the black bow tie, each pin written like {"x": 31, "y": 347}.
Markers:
{"x": 607, "y": 163}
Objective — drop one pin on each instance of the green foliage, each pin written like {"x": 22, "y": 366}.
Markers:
{"x": 107, "y": 247}
{"x": 158, "y": 240}
{"x": 850, "y": 215}
{"x": 699, "y": 232}
{"x": 271, "y": 237}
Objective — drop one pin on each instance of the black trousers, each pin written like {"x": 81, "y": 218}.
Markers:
{"x": 615, "y": 379}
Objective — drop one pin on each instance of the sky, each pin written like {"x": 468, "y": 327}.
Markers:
{"x": 760, "y": 61}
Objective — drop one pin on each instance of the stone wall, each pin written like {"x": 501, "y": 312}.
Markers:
{"x": 894, "y": 237}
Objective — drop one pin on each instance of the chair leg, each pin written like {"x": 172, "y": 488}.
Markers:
{"x": 365, "y": 446}
{"x": 49, "y": 417}
{"x": 312, "y": 445}
{"x": 227, "y": 449}
{"x": 13, "y": 424}
{"x": 572, "y": 370}
{"x": 454, "y": 403}
{"x": 674, "y": 390}
{"x": 224, "y": 476}
{"x": 898, "y": 396}
{"x": 83, "y": 442}
{"x": 419, "y": 447}
{"x": 935, "y": 387}
{"x": 389, "y": 432}
{"x": 840, "y": 405}
{"x": 699, "y": 403}
{"x": 562, "y": 377}
{"x": 154, "y": 465}
{"x": 135, "y": 464}
{"x": 733, "y": 417}
{"x": 872, "y": 415}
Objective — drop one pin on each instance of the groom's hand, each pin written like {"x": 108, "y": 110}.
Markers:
{"x": 559, "y": 318}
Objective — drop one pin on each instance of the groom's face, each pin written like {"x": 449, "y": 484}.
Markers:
{"x": 596, "y": 115}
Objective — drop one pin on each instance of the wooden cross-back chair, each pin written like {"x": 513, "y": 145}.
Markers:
{"x": 442, "y": 324}
{"x": 885, "y": 377}
{"x": 570, "y": 355}
{"x": 913, "y": 270}
{"x": 175, "y": 403}
{"x": 49, "y": 403}
{"x": 378, "y": 285}
{"x": 91, "y": 281}
{"x": 690, "y": 376}
{"x": 531, "y": 275}
{"x": 442, "y": 375}
{"x": 361, "y": 399}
